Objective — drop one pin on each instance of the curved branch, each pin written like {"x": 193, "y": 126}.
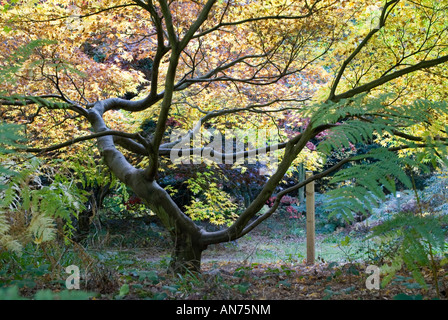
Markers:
{"x": 284, "y": 192}
{"x": 27, "y": 100}
{"x": 318, "y": 176}
{"x": 42, "y": 101}
{"x": 382, "y": 80}
{"x": 154, "y": 196}
{"x": 197, "y": 24}
{"x": 236, "y": 229}
{"x": 132, "y": 106}
{"x": 311, "y": 10}
{"x": 360, "y": 47}
{"x": 135, "y": 136}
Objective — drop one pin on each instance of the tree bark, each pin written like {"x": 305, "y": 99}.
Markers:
{"x": 186, "y": 254}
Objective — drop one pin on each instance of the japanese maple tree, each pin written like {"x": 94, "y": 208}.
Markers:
{"x": 321, "y": 66}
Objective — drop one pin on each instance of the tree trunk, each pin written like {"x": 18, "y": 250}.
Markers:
{"x": 186, "y": 254}
{"x": 94, "y": 203}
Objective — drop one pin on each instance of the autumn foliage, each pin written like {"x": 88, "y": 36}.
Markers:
{"x": 124, "y": 74}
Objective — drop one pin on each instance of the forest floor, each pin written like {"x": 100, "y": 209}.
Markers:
{"x": 129, "y": 261}
{"x": 266, "y": 265}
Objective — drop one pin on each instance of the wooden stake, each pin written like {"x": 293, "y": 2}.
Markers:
{"x": 301, "y": 192}
{"x": 310, "y": 221}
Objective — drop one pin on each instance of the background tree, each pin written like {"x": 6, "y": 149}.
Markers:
{"x": 321, "y": 66}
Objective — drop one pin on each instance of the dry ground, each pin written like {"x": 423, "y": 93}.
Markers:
{"x": 265, "y": 267}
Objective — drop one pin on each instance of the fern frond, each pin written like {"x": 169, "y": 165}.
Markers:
{"x": 416, "y": 234}
{"x": 361, "y": 119}
{"x": 9, "y": 72}
{"x": 42, "y": 228}
{"x": 4, "y": 225}
{"x": 6, "y": 240}
{"x": 36, "y": 206}
{"x": 11, "y": 244}
{"x": 351, "y": 132}
{"x": 367, "y": 181}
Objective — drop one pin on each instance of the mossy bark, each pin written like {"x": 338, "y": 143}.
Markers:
{"x": 186, "y": 254}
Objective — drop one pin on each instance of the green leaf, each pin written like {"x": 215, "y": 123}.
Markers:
{"x": 150, "y": 275}
{"x": 124, "y": 290}
{"x": 346, "y": 241}
{"x": 242, "y": 287}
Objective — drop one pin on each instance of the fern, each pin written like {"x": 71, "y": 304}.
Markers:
{"x": 11, "y": 244}
{"x": 362, "y": 186}
{"x": 42, "y": 228}
{"x": 27, "y": 202}
{"x": 361, "y": 118}
{"x": 10, "y": 139}
{"x": 352, "y": 132}
{"x": 10, "y": 136}
{"x": 377, "y": 110}
{"x": 6, "y": 240}
{"x": 13, "y": 63}
{"x": 360, "y": 105}
{"x": 416, "y": 236}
